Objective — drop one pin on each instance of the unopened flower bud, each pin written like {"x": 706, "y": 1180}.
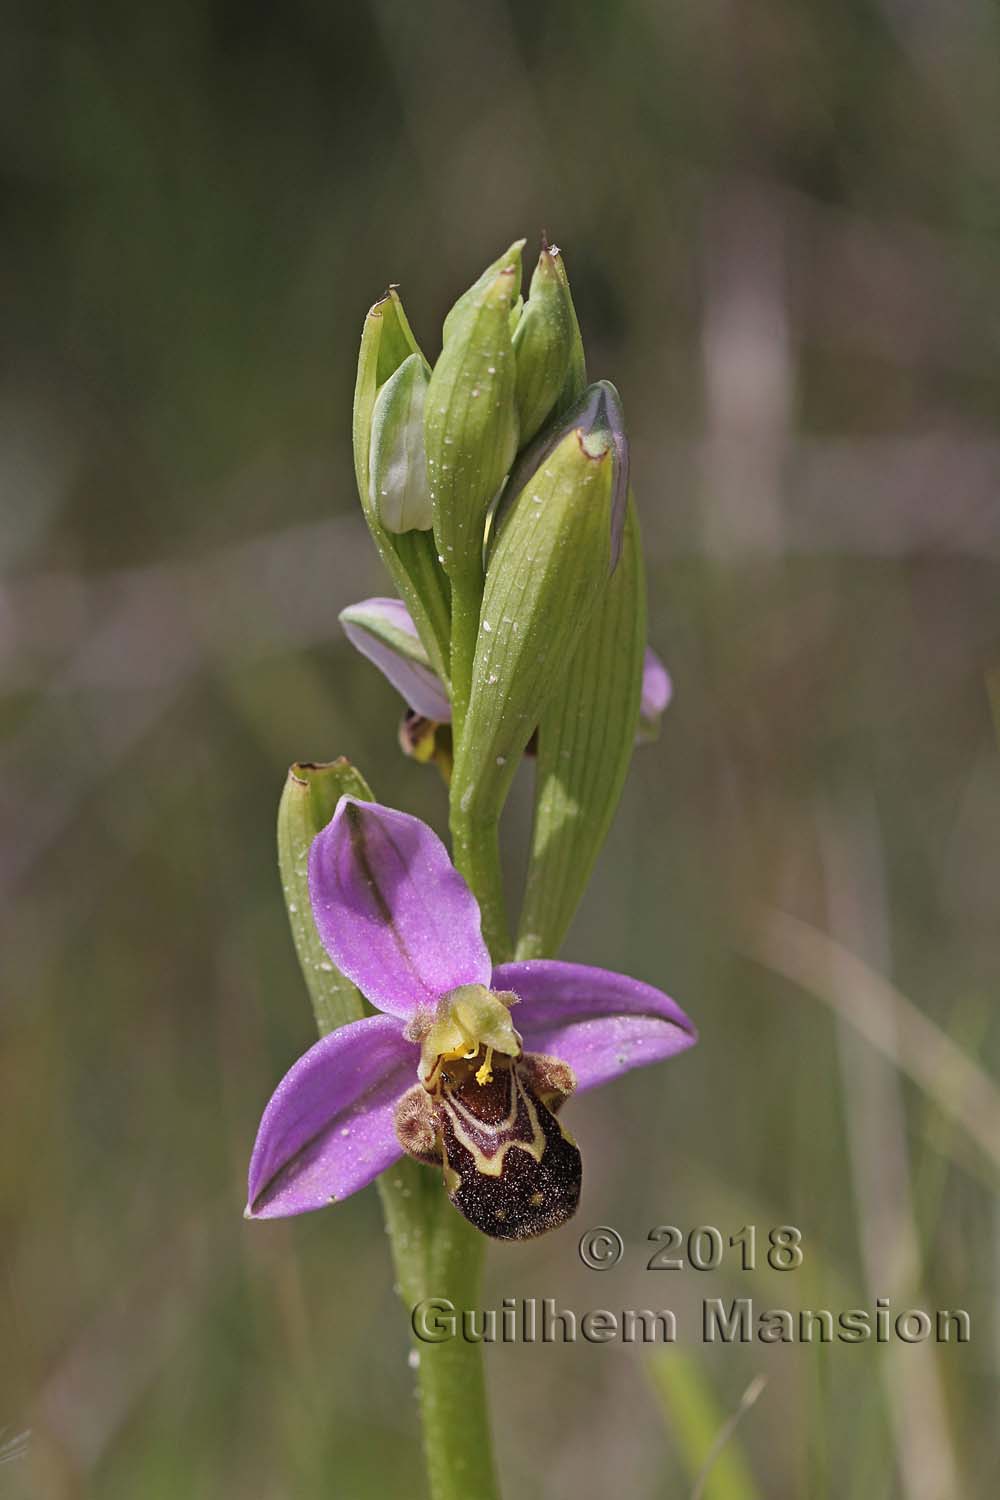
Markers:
{"x": 598, "y": 413}
{"x": 470, "y": 420}
{"x": 397, "y": 472}
{"x": 547, "y": 345}
{"x": 387, "y": 343}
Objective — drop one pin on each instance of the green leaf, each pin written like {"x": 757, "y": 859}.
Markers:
{"x": 307, "y": 804}
{"x": 585, "y": 741}
{"x": 411, "y": 558}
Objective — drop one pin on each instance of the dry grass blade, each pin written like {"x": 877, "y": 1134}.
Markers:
{"x": 726, "y": 1431}
{"x": 15, "y": 1447}
{"x": 886, "y": 1019}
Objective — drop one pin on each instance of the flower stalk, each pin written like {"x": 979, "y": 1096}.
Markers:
{"x": 451, "y": 1376}
{"x": 435, "y": 1252}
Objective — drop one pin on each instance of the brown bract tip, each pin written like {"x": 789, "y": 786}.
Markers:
{"x": 583, "y": 438}
{"x": 297, "y": 767}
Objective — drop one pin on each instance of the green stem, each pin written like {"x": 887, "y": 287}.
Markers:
{"x": 438, "y": 1259}
{"x": 475, "y": 841}
{"x": 437, "y": 1254}
{"x": 466, "y": 601}
{"x": 451, "y": 1374}
{"x": 476, "y": 852}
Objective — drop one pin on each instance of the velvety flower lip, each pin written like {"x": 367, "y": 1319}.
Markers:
{"x": 398, "y": 919}
{"x": 382, "y": 630}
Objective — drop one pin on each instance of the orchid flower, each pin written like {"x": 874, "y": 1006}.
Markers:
{"x": 384, "y": 632}
{"x": 465, "y": 1065}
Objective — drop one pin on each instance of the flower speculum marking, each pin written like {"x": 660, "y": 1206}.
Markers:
{"x": 485, "y": 1112}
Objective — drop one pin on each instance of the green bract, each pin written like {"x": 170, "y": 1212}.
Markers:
{"x": 397, "y": 475}
{"x": 470, "y": 420}
{"x": 585, "y": 741}
{"x": 307, "y": 804}
{"x": 576, "y": 374}
{"x": 547, "y": 569}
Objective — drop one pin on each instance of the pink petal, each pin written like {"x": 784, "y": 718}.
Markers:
{"x": 601, "y": 1023}
{"x": 392, "y": 912}
{"x": 382, "y": 630}
{"x": 657, "y": 689}
{"x": 328, "y": 1129}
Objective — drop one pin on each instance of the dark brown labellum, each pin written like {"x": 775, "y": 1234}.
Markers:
{"x": 509, "y": 1166}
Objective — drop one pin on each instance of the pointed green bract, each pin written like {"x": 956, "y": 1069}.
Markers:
{"x": 386, "y": 341}
{"x": 397, "y": 473}
{"x": 546, "y": 573}
{"x": 597, "y": 414}
{"x": 470, "y": 424}
{"x": 547, "y": 346}
{"x": 307, "y": 804}
{"x": 472, "y": 298}
{"x": 585, "y": 742}
{"x": 576, "y": 374}
{"x": 411, "y": 558}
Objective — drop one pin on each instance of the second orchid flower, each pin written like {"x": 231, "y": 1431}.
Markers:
{"x": 381, "y": 630}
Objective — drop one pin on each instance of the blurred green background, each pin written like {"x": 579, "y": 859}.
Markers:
{"x": 781, "y": 223}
